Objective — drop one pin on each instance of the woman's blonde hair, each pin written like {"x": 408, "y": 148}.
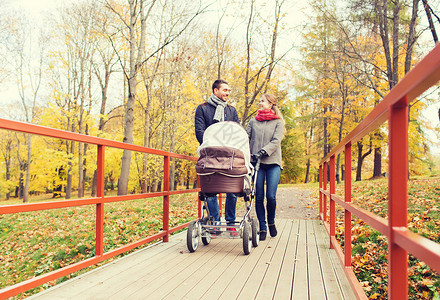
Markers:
{"x": 274, "y": 101}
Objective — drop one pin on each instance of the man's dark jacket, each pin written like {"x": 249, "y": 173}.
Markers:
{"x": 205, "y": 117}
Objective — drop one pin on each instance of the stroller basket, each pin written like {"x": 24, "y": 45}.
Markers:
{"x": 221, "y": 170}
{"x": 218, "y": 183}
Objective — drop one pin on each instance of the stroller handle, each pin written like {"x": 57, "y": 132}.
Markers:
{"x": 257, "y": 167}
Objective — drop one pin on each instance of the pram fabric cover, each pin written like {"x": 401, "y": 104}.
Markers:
{"x": 224, "y": 159}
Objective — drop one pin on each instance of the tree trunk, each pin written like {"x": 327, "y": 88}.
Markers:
{"x": 377, "y": 170}
{"x": 306, "y": 180}
{"x": 428, "y": 10}
{"x": 7, "y": 156}
{"x": 94, "y": 184}
{"x": 411, "y": 36}
{"x": 147, "y": 124}
{"x": 325, "y": 132}
{"x": 20, "y": 185}
{"x": 136, "y": 56}
{"x": 28, "y": 169}
{"x": 338, "y": 161}
{"x": 360, "y": 160}
{"x": 128, "y": 137}
{"x": 84, "y": 167}
{"x": 70, "y": 153}
{"x": 80, "y": 170}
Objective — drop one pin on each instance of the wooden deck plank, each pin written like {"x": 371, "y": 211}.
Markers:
{"x": 250, "y": 274}
{"x": 263, "y": 271}
{"x": 336, "y": 283}
{"x": 314, "y": 261}
{"x": 169, "y": 274}
{"x": 297, "y": 264}
{"x": 123, "y": 278}
{"x": 224, "y": 279}
{"x": 198, "y": 276}
{"x": 300, "y": 276}
{"x": 104, "y": 274}
{"x": 285, "y": 280}
{"x": 269, "y": 283}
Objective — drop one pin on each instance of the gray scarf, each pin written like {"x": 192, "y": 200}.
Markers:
{"x": 220, "y": 105}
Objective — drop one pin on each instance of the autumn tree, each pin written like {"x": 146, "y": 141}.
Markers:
{"x": 257, "y": 78}
{"x": 28, "y": 50}
{"x": 395, "y": 25}
{"x": 134, "y": 24}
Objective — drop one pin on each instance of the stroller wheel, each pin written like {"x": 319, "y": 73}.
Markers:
{"x": 247, "y": 243}
{"x": 255, "y": 232}
{"x": 206, "y": 238}
{"x": 192, "y": 236}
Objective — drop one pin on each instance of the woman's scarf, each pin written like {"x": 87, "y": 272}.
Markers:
{"x": 266, "y": 115}
{"x": 220, "y": 105}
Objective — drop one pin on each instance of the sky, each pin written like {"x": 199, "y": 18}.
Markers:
{"x": 295, "y": 17}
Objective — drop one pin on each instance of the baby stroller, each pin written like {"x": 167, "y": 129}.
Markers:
{"x": 224, "y": 167}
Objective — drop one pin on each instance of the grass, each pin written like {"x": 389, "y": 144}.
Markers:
{"x": 369, "y": 247}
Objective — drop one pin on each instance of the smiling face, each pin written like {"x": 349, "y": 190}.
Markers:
{"x": 222, "y": 92}
{"x": 264, "y": 104}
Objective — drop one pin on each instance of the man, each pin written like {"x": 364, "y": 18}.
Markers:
{"x": 216, "y": 110}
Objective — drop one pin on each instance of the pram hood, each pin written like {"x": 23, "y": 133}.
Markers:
{"x": 227, "y": 134}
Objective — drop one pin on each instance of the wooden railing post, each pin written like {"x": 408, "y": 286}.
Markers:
{"x": 166, "y": 198}
{"x": 398, "y": 198}
{"x": 324, "y": 204}
{"x": 347, "y": 213}
{"x": 320, "y": 193}
{"x": 199, "y": 203}
{"x": 99, "y": 235}
{"x": 220, "y": 204}
{"x": 332, "y": 202}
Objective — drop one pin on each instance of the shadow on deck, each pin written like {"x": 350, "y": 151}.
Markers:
{"x": 297, "y": 264}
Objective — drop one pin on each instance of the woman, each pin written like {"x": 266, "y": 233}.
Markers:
{"x": 265, "y": 133}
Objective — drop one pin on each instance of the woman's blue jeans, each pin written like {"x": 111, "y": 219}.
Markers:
{"x": 231, "y": 202}
{"x": 271, "y": 175}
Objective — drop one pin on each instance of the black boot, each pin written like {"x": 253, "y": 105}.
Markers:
{"x": 273, "y": 230}
{"x": 263, "y": 235}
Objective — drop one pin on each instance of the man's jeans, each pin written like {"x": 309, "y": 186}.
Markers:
{"x": 270, "y": 174}
{"x": 231, "y": 201}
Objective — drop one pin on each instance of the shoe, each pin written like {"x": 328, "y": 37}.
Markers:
{"x": 263, "y": 235}
{"x": 273, "y": 230}
{"x": 233, "y": 231}
{"x": 215, "y": 232}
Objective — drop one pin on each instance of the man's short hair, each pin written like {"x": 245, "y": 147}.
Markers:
{"x": 217, "y": 84}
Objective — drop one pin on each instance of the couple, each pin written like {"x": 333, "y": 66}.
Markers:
{"x": 265, "y": 133}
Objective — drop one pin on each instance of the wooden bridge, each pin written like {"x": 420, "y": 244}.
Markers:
{"x": 297, "y": 264}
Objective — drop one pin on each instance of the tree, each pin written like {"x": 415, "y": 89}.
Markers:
{"x": 28, "y": 70}
{"x": 139, "y": 13}
{"x": 376, "y": 15}
{"x": 257, "y": 79}
{"x": 6, "y": 149}
{"x": 73, "y": 83}
{"x": 104, "y": 65}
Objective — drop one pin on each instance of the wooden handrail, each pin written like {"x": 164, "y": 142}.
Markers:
{"x": 99, "y": 201}
{"x": 394, "y": 108}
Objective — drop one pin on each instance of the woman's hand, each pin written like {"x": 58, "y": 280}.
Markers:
{"x": 259, "y": 154}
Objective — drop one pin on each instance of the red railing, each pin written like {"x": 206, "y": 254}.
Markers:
{"x": 394, "y": 108}
{"x": 99, "y": 201}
